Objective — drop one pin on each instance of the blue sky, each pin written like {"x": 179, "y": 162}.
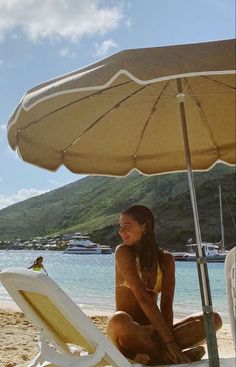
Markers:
{"x": 40, "y": 40}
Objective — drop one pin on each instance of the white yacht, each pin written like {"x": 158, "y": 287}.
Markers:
{"x": 212, "y": 251}
{"x": 81, "y": 244}
{"x": 215, "y": 252}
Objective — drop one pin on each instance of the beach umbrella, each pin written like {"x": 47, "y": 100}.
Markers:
{"x": 155, "y": 110}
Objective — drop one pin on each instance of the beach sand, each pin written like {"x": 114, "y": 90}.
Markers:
{"x": 19, "y": 337}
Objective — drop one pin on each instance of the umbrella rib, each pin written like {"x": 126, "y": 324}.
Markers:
{"x": 218, "y": 82}
{"x": 70, "y": 104}
{"x": 150, "y": 116}
{"x": 102, "y": 116}
{"x": 201, "y": 114}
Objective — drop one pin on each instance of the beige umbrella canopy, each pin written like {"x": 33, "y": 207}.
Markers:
{"x": 122, "y": 113}
{"x": 155, "y": 110}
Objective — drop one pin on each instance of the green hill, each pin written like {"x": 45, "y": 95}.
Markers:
{"x": 94, "y": 204}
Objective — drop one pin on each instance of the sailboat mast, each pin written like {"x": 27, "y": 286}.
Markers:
{"x": 221, "y": 221}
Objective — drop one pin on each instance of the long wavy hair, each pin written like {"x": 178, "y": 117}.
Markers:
{"x": 147, "y": 249}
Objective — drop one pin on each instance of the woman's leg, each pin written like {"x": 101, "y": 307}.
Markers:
{"x": 130, "y": 337}
{"x": 190, "y": 331}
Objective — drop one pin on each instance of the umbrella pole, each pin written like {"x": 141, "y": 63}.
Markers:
{"x": 200, "y": 255}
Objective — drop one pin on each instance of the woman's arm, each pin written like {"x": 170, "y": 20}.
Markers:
{"x": 44, "y": 269}
{"x": 168, "y": 288}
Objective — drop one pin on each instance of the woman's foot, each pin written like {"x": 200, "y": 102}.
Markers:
{"x": 195, "y": 354}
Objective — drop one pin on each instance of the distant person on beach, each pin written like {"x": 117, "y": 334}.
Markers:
{"x": 140, "y": 329}
{"x": 38, "y": 265}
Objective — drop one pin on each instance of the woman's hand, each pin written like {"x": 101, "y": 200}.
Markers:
{"x": 174, "y": 354}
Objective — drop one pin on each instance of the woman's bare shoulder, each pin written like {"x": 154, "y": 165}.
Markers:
{"x": 119, "y": 247}
{"x": 124, "y": 252}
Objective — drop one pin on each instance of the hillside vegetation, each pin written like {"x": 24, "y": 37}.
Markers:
{"x": 94, "y": 204}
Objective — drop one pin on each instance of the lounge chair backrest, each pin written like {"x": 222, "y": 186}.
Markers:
{"x": 59, "y": 319}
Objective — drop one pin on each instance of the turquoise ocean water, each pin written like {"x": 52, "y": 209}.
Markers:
{"x": 89, "y": 280}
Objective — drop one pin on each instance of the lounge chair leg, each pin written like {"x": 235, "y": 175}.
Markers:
{"x": 40, "y": 357}
{"x": 37, "y": 360}
{"x": 49, "y": 354}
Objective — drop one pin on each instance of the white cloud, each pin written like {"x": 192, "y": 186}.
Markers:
{"x": 21, "y": 195}
{"x": 129, "y": 23}
{"x": 15, "y": 36}
{"x": 65, "y": 52}
{"x": 104, "y": 48}
{"x": 2, "y": 131}
{"x": 55, "y": 183}
{"x": 53, "y": 19}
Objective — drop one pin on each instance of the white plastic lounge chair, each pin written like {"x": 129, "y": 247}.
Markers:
{"x": 230, "y": 277}
{"x": 63, "y": 324}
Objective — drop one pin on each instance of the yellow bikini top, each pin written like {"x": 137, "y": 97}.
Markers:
{"x": 36, "y": 268}
{"x": 158, "y": 284}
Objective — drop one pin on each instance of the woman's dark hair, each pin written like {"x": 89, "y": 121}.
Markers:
{"x": 38, "y": 258}
{"x": 147, "y": 250}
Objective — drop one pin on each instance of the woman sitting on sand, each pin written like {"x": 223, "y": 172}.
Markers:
{"x": 140, "y": 329}
{"x": 38, "y": 265}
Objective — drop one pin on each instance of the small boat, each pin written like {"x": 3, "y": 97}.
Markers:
{"x": 215, "y": 252}
{"x": 212, "y": 252}
{"x": 81, "y": 244}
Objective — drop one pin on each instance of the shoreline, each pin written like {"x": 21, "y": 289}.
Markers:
{"x": 12, "y": 306}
